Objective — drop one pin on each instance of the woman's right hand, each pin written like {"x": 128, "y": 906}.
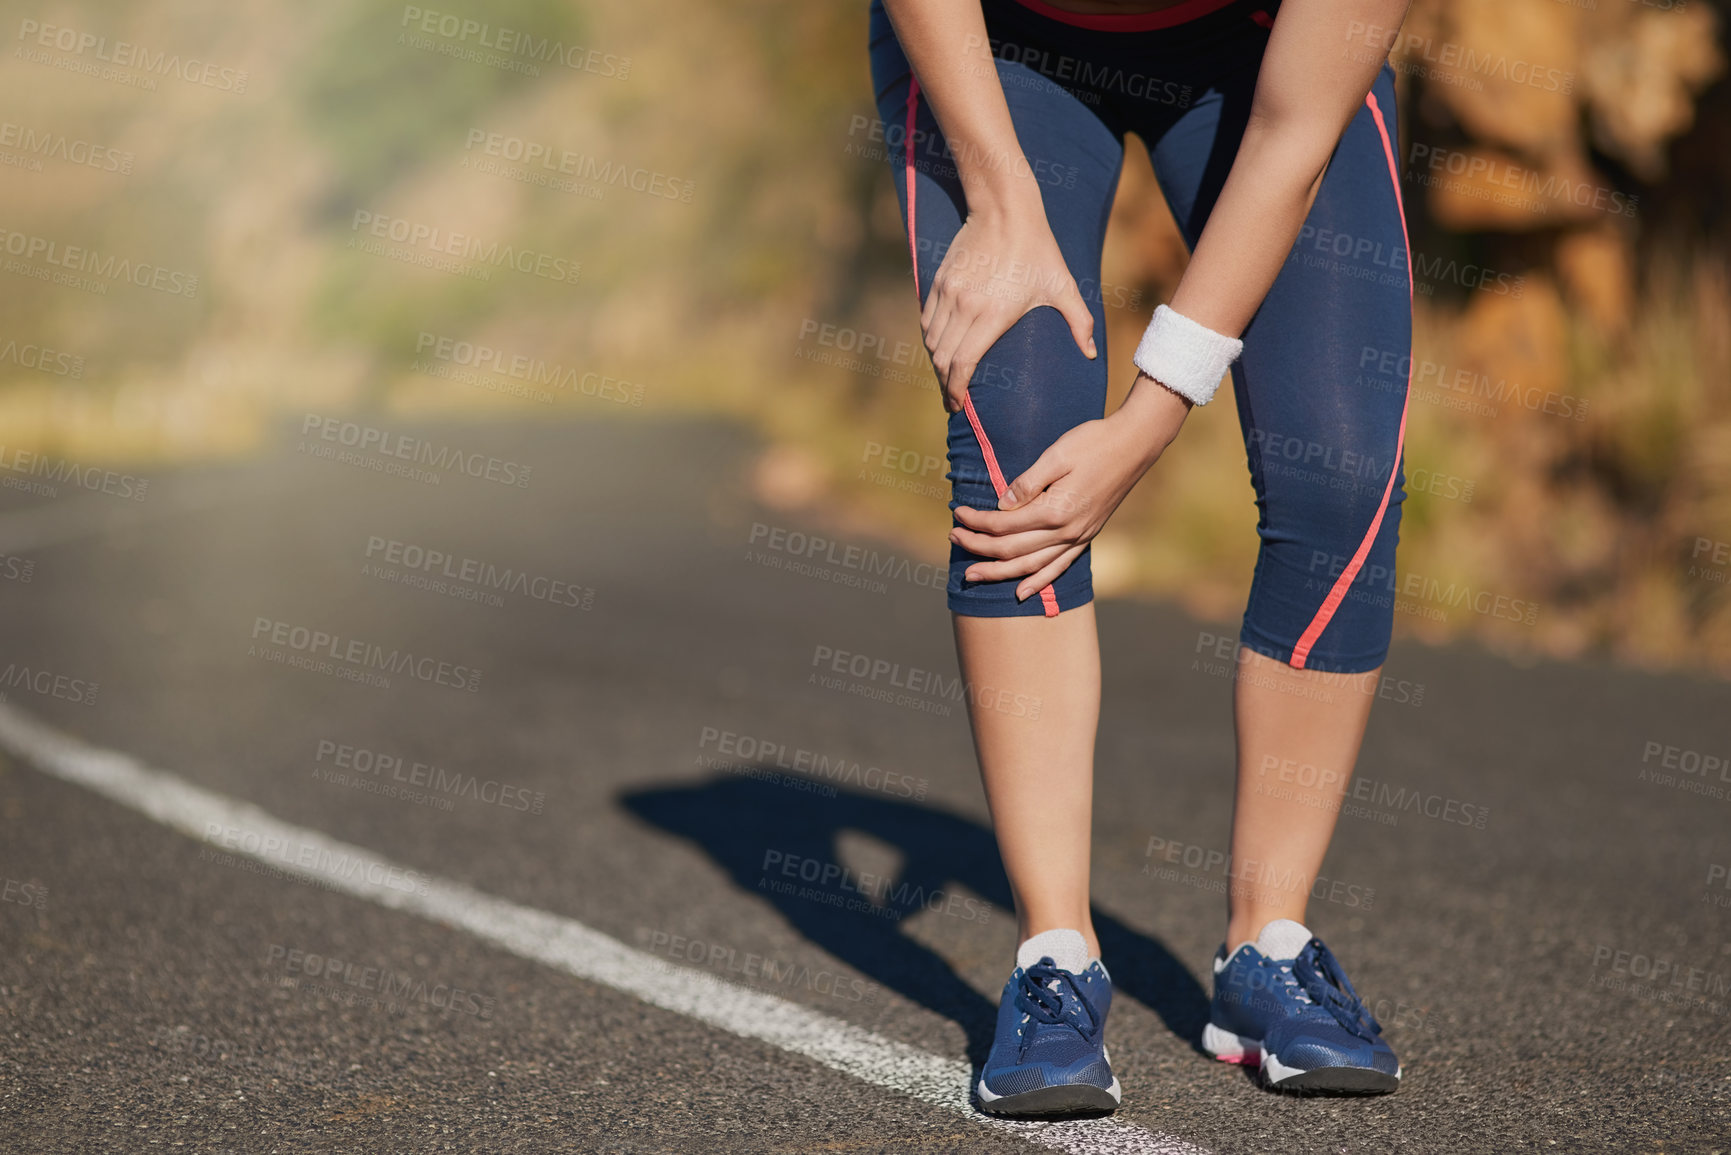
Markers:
{"x": 1000, "y": 265}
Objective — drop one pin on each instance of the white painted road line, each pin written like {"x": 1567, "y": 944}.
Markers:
{"x": 565, "y": 944}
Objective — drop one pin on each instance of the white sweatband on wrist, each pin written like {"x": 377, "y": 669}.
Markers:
{"x": 1187, "y": 358}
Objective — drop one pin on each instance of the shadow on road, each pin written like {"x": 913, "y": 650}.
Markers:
{"x": 742, "y": 821}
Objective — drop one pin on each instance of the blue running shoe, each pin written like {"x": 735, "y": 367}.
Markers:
{"x": 1049, "y": 1054}
{"x": 1285, "y": 1005}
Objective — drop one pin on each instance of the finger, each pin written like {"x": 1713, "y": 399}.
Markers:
{"x": 1014, "y": 545}
{"x": 955, "y": 376}
{"x": 1051, "y": 466}
{"x": 942, "y": 319}
{"x": 956, "y": 392}
{"x": 998, "y": 571}
{"x": 1049, "y": 573}
{"x": 1037, "y": 514}
{"x": 934, "y": 296}
{"x": 1075, "y": 311}
{"x": 974, "y": 346}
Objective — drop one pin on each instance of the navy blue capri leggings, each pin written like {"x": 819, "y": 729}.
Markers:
{"x": 1323, "y": 419}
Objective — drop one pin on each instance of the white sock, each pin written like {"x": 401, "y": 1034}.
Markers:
{"x": 1067, "y": 948}
{"x": 1282, "y": 939}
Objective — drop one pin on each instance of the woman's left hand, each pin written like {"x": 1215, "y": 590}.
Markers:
{"x": 1050, "y": 513}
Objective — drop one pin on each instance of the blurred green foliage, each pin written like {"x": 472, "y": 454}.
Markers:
{"x": 382, "y": 108}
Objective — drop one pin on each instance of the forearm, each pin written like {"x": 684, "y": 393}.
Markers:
{"x": 1242, "y": 248}
{"x": 1246, "y": 241}
{"x": 1251, "y": 230}
{"x": 946, "y": 42}
{"x": 1307, "y": 92}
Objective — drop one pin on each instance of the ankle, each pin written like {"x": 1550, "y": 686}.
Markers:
{"x": 1241, "y": 929}
{"x": 1027, "y": 930}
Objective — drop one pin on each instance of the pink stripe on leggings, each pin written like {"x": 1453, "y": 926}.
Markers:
{"x": 1048, "y": 598}
{"x": 908, "y": 168}
{"x": 1325, "y": 614}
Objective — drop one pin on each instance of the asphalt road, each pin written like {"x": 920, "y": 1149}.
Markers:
{"x": 636, "y": 736}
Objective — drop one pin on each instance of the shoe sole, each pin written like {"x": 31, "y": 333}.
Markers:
{"x": 1327, "y": 1080}
{"x": 1233, "y": 1048}
{"x": 1066, "y": 1099}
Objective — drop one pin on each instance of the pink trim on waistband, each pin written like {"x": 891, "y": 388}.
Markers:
{"x": 1128, "y": 21}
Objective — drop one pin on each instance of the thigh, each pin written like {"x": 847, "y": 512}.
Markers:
{"x": 1034, "y": 384}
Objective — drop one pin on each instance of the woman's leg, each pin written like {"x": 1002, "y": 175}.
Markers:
{"x": 1036, "y": 751}
{"x": 1323, "y": 438}
{"x": 1324, "y": 434}
{"x": 1325, "y": 442}
{"x": 1032, "y": 668}
{"x": 1286, "y": 720}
